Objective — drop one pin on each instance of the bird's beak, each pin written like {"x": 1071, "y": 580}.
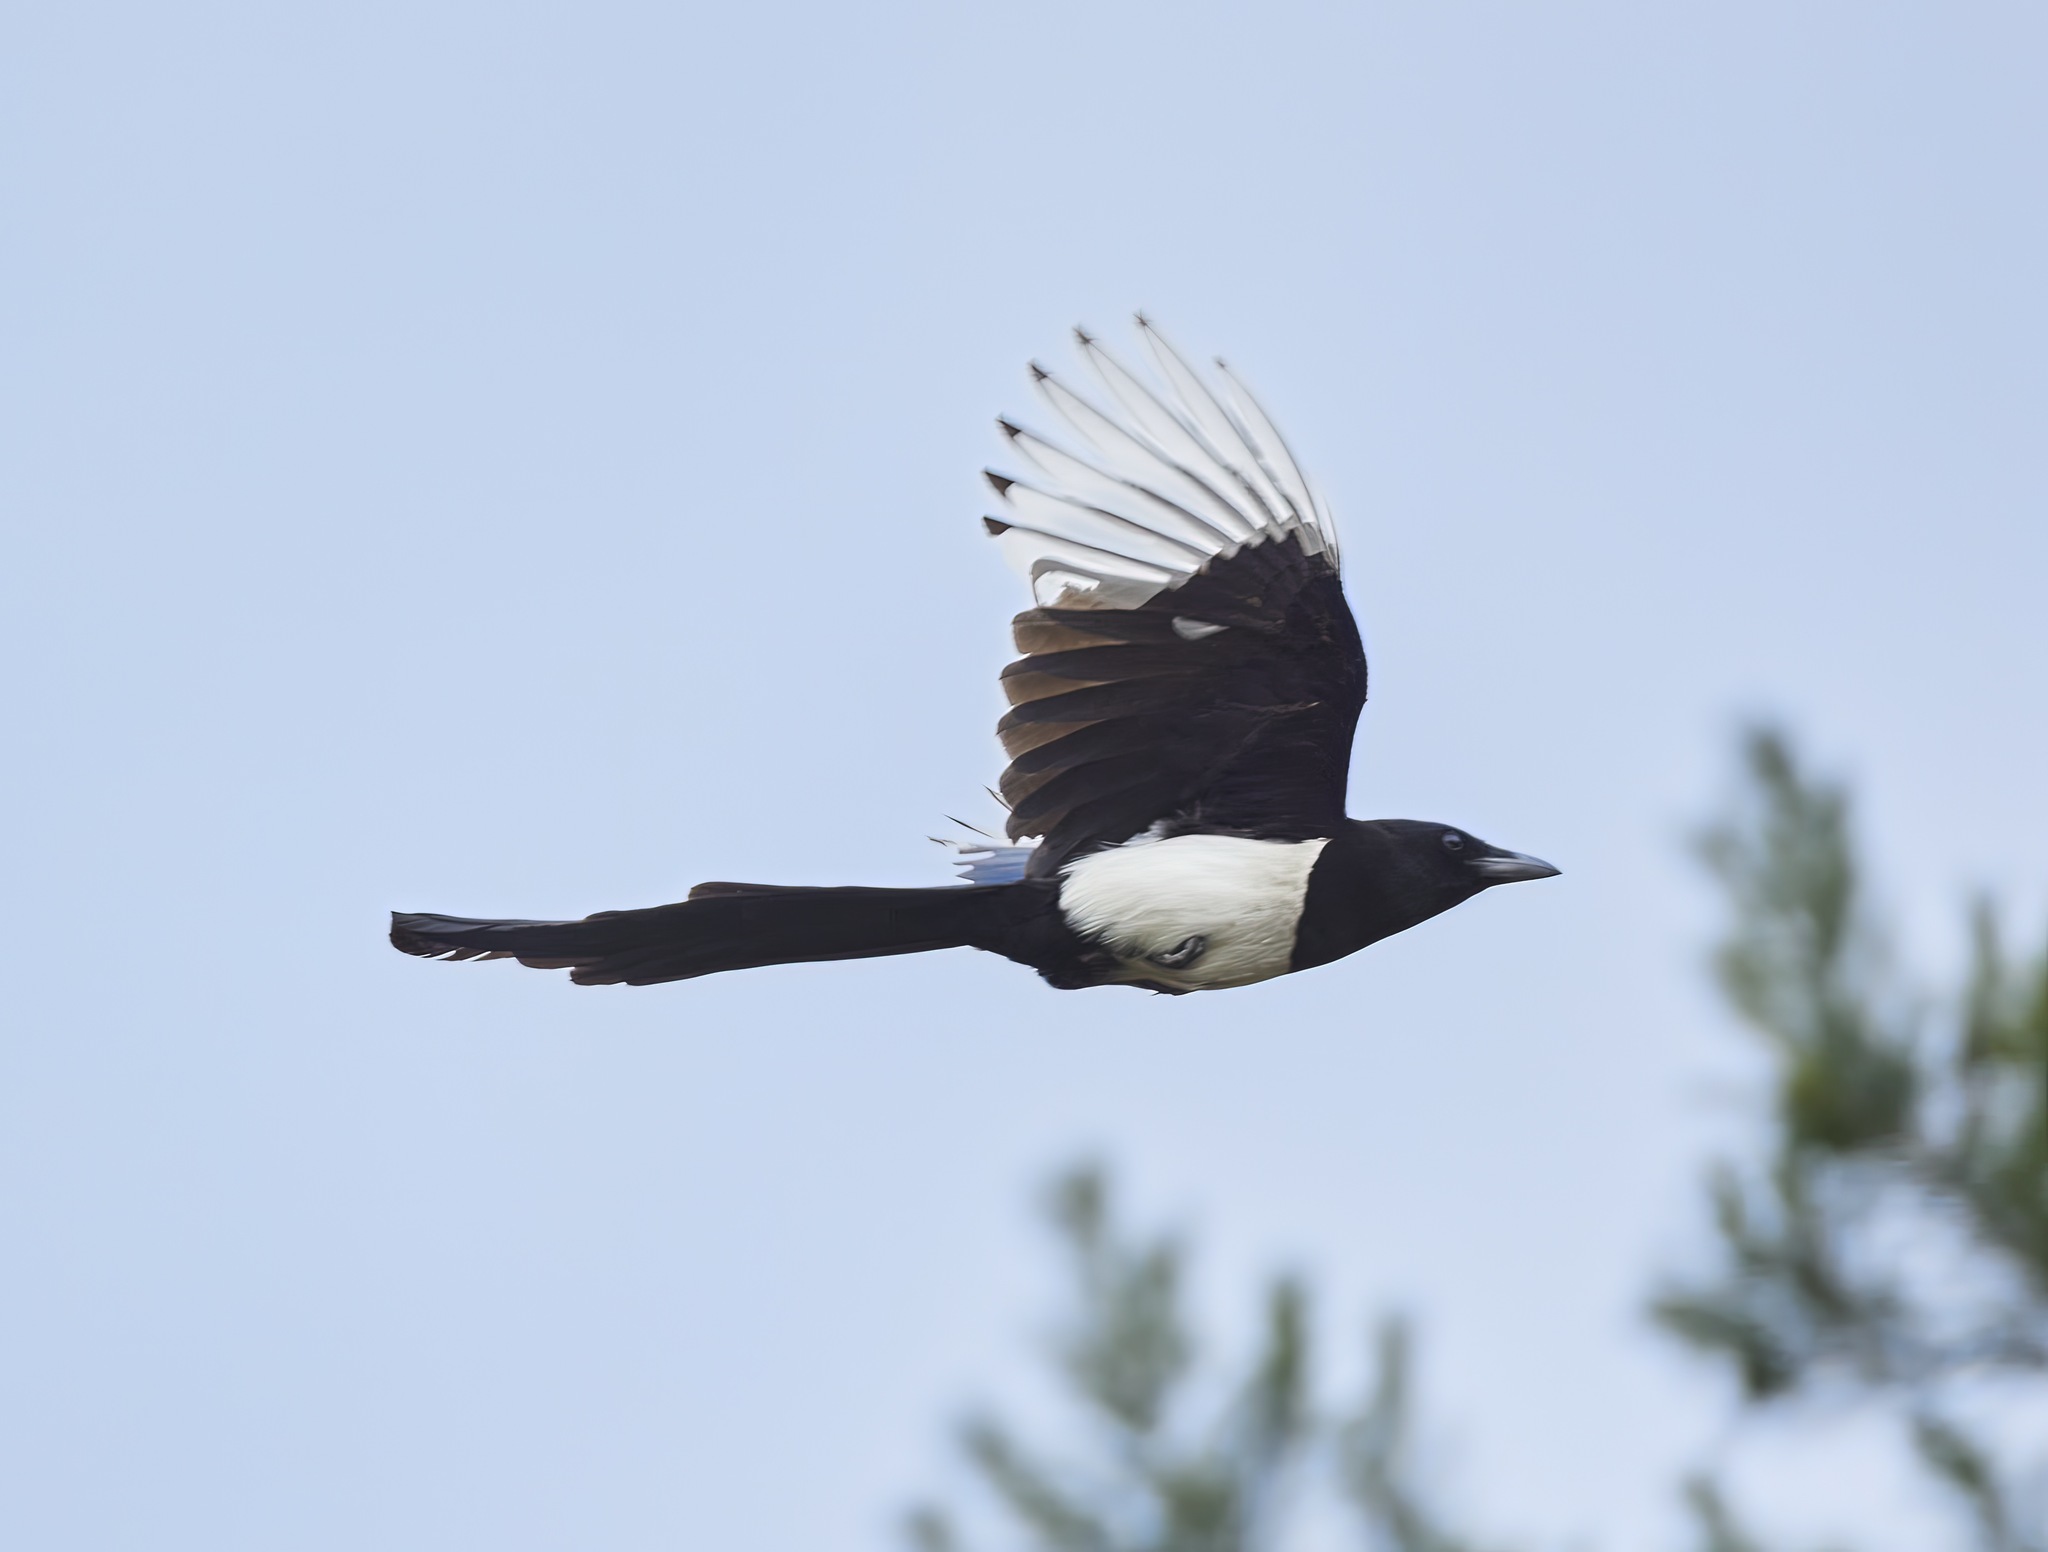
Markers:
{"x": 1510, "y": 867}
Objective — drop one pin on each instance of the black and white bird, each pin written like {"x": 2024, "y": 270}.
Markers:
{"x": 1179, "y": 739}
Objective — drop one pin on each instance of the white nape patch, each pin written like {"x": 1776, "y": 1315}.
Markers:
{"x": 1148, "y": 897}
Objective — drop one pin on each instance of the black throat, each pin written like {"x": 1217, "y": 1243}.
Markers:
{"x": 1368, "y": 885}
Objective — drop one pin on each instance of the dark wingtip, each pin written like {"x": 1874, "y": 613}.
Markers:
{"x": 996, "y": 527}
{"x": 1008, "y": 427}
{"x": 1083, "y": 337}
{"x": 1002, "y": 483}
{"x": 1038, "y": 373}
{"x": 1143, "y": 321}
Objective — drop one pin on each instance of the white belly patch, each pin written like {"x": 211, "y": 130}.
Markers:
{"x": 1147, "y": 899}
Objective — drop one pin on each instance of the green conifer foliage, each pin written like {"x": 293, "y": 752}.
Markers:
{"x": 1893, "y": 1233}
{"x": 1176, "y": 1456}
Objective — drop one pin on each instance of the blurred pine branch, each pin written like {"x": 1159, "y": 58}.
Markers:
{"x": 1893, "y": 1234}
{"x": 1183, "y": 1458}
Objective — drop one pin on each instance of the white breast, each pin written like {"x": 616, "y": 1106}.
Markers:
{"x": 1147, "y": 898}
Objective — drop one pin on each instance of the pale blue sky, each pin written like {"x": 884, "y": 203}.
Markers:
{"x": 520, "y": 459}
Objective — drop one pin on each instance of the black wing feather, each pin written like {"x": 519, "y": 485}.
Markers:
{"x": 1247, "y": 729}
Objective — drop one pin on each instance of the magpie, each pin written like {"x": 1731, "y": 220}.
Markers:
{"x": 1179, "y": 738}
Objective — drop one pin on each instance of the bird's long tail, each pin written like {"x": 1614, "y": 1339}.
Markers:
{"x": 724, "y": 927}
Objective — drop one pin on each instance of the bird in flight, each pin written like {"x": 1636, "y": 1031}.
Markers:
{"x": 1179, "y": 737}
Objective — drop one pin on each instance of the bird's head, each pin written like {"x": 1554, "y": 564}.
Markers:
{"x": 1382, "y": 876}
{"x": 1442, "y": 864}
{"x": 1457, "y": 860}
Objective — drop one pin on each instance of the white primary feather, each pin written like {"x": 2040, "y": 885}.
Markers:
{"x": 1148, "y": 897}
{"x": 1100, "y": 522}
{"x": 1164, "y": 481}
{"x": 1123, "y": 454}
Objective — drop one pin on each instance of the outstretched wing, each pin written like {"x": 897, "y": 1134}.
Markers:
{"x": 1192, "y": 661}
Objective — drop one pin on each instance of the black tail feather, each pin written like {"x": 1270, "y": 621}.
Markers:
{"x": 723, "y": 927}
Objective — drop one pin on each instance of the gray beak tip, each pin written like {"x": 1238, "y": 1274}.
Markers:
{"x": 1512, "y": 867}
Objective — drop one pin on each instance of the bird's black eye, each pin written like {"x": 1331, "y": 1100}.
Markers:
{"x": 1453, "y": 841}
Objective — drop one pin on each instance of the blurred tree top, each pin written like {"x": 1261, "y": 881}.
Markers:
{"x": 1890, "y": 1234}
